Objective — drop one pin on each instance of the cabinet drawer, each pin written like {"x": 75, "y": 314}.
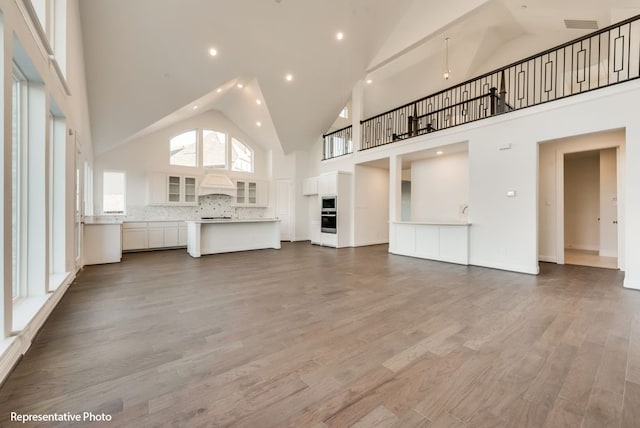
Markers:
{"x": 134, "y": 225}
{"x": 161, "y": 224}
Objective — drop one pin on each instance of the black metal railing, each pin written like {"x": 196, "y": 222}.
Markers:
{"x": 337, "y": 143}
{"x": 604, "y": 58}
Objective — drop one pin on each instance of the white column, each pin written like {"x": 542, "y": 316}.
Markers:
{"x": 631, "y": 220}
{"x": 357, "y": 112}
{"x": 395, "y": 195}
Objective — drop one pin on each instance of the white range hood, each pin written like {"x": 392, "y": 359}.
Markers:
{"x": 216, "y": 184}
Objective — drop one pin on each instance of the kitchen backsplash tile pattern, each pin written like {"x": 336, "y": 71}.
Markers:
{"x": 208, "y": 206}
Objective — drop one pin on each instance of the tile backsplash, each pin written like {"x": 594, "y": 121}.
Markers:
{"x": 208, "y": 206}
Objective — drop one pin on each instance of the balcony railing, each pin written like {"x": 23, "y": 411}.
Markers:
{"x": 337, "y": 143}
{"x": 604, "y": 58}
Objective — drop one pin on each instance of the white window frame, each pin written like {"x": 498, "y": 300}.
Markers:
{"x": 226, "y": 149}
{"x": 198, "y": 149}
{"x": 253, "y": 155}
{"x": 19, "y": 268}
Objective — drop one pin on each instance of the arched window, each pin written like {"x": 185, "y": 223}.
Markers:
{"x": 183, "y": 149}
{"x": 241, "y": 156}
{"x": 214, "y": 149}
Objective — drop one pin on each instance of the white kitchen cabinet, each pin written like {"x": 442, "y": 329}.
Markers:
{"x": 252, "y": 193}
{"x": 337, "y": 184}
{"x": 102, "y": 243}
{"x": 154, "y": 235}
{"x": 182, "y": 235}
{"x": 171, "y": 189}
{"x": 328, "y": 184}
{"x": 310, "y": 186}
{"x": 135, "y": 236}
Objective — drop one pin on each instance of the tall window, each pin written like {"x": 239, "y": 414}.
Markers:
{"x": 113, "y": 192}
{"x": 183, "y": 149}
{"x": 241, "y": 156}
{"x": 16, "y": 171}
{"x": 214, "y": 149}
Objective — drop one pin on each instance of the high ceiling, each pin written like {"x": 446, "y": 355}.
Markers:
{"x": 148, "y": 65}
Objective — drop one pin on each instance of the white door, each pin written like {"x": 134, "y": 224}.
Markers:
{"x": 608, "y": 203}
{"x": 284, "y": 208}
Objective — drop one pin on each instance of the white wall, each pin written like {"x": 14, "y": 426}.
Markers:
{"x": 503, "y": 156}
{"x": 439, "y": 187}
{"x": 151, "y": 153}
{"x": 551, "y": 189}
{"x": 371, "y": 201}
{"x": 582, "y": 201}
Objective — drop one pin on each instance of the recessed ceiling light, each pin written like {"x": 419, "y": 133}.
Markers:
{"x": 340, "y": 35}
{"x": 439, "y": 152}
{"x": 369, "y": 81}
{"x": 289, "y": 77}
{"x": 258, "y": 102}
{"x": 213, "y": 52}
{"x": 219, "y": 90}
{"x": 258, "y": 124}
{"x": 195, "y": 107}
{"x": 240, "y": 85}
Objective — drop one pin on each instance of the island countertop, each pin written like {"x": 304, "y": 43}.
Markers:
{"x": 233, "y": 221}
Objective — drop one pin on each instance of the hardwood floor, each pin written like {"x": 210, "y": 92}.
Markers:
{"x": 316, "y": 337}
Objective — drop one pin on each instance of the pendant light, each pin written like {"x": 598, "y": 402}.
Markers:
{"x": 447, "y": 71}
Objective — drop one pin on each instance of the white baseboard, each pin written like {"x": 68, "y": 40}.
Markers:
{"x": 505, "y": 266}
{"x": 582, "y": 247}
{"x": 608, "y": 253}
{"x": 367, "y": 243}
{"x": 630, "y": 283}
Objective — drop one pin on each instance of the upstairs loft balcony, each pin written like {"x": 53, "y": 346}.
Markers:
{"x": 606, "y": 57}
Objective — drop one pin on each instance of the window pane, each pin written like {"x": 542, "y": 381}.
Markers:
{"x": 241, "y": 157}
{"x": 214, "y": 149}
{"x": 183, "y": 149}
{"x": 113, "y": 194}
{"x": 15, "y": 181}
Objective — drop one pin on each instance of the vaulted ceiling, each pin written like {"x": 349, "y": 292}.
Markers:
{"x": 148, "y": 62}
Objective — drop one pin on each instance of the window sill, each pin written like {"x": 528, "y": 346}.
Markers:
{"x": 25, "y": 309}
{"x": 56, "y": 280}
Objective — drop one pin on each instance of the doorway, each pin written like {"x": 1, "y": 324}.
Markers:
{"x": 590, "y": 208}
{"x": 284, "y": 208}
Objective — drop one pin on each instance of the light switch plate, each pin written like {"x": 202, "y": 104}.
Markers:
{"x": 511, "y": 193}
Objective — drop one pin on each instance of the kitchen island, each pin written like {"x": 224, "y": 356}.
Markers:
{"x": 446, "y": 241}
{"x": 225, "y": 236}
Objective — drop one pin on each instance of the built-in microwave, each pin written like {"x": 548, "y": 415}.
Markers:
{"x": 329, "y": 203}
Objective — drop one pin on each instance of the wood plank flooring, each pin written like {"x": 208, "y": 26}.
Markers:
{"x": 317, "y": 337}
